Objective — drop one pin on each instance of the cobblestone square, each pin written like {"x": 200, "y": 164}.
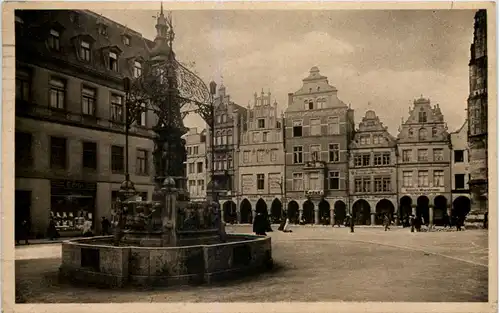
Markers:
{"x": 312, "y": 264}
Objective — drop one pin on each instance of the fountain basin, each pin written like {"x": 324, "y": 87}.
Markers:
{"x": 96, "y": 261}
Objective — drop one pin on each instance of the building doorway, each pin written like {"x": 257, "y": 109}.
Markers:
{"x": 440, "y": 207}
{"x": 423, "y": 209}
{"x": 361, "y": 212}
{"x": 245, "y": 212}
{"x": 383, "y": 207}
{"x": 461, "y": 207}
{"x": 308, "y": 212}
{"x": 324, "y": 212}
{"x": 276, "y": 212}
{"x": 230, "y": 215}
{"x": 293, "y": 212}
{"x": 339, "y": 211}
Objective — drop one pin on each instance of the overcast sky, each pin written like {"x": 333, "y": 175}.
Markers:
{"x": 378, "y": 60}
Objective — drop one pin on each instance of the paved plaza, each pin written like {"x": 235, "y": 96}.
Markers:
{"x": 312, "y": 264}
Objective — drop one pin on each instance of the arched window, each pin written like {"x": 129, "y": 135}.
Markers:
{"x": 224, "y": 138}
{"x": 422, "y": 134}
{"x": 224, "y": 118}
{"x": 218, "y": 139}
{"x": 410, "y": 132}
{"x": 229, "y": 137}
{"x": 434, "y": 132}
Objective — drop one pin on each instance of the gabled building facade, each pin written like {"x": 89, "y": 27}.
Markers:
{"x": 262, "y": 161}
{"x": 424, "y": 164}
{"x": 460, "y": 191}
{"x": 70, "y": 143}
{"x": 372, "y": 172}
{"x": 196, "y": 165}
{"x": 227, "y": 131}
{"x": 477, "y": 107}
{"x": 318, "y": 128}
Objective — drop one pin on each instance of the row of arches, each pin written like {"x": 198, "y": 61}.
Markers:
{"x": 361, "y": 211}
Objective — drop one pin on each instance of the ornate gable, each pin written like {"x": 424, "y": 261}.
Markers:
{"x": 425, "y": 123}
{"x": 372, "y": 133}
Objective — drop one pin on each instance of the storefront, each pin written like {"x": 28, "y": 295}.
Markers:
{"x": 72, "y": 202}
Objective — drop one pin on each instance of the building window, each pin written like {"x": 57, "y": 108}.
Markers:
{"x": 58, "y": 152}
{"x": 54, "y": 40}
{"x": 224, "y": 118}
{"x": 378, "y": 139}
{"x": 261, "y": 123}
{"x": 423, "y": 178}
{"x": 88, "y": 101}
{"x": 230, "y": 162}
{"x": 315, "y": 152}
{"x": 57, "y": 93}
{"x": 358, "y": 160}
{"x": 438, "y": 154}
{"x": 333, "y": 125}
{"x": 192, "y": 186}
{"x": 364, "y": 140}
{"x": 381, "y": 159}
{"x": 386, "y": 158}
{"x": 315, "y": 127}
{"x": 85, "y": 51}
{"x": 89, "y": 156}
{"x": 459, "y": 181}
{"x": 142, "y": 162}
{"x": 126, "y": 40}
{"x": 103, "y": 30}
{"x": 117, "y": 159}
{"x": 264, "y": 136}
{"x": 438, "y": 178}
{"x": 410, "y": 132}
{"x": 141, "y": 115}
{"x": 137, "y": 69}
{"x": 229, "y": 137}
{"x": 314, "y": 183}
{"x": 297, "y": 128}
{"x": 189, "y": 150}
{"x": 113, "y": 62}
{"x": 407, "y": 179}
{"x": 260, "y": 156}
{"x": 382, "y": 184}
{"x": 366, "y": 160}
{"x": 422, "y": 155}
{"x": 334, "y": 180}
{"x": 116, "y": 108}
{"x": 201, "y": 184}
{"x": 459, "y": 156}
{"x": 195, "y": 150}
{"x": 406, "y": 155}
{"x": 297, "y": 155}
{"x": 23, "y": 84}
{"x": 23, "y": 149}
{"x": 434, "y": 132}
{"x": 260, "y": 181}
{"x": 274, "y": 155}
{"x": 218, "y": 119}
{"x": 298, "y": 182}
{"x": 333, "y": 152}
{"x": 422, "y": 117}
{"x": 422, "y": 134}
{"x": 246, "y": 156}
{"x": 191, "y": 168}
{"x": 199, "y": 166}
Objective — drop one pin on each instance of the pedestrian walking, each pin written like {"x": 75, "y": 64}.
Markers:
{"x": 52, "y": 231}
{"x": 260, "y": 224}
{"x": 387, "y": 222}
{"x": 418, "y": 223}
{"x": 105, "y": 226}
{"x": 412, "y": 223}
{"x": 22, "y": 232}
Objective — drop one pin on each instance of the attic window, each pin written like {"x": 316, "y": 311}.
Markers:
{"x": 113, "y": 62}
{"x": 422, "y": 117}
{"x": 54, "y": 40}
{"x": 126, "y": 40}
{"x": 85, "y": 51}
{"x": 137, "y": 69}
{"x": 103, "y": 29}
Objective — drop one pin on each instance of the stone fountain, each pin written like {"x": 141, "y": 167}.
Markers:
{"x": 169, "y": 240}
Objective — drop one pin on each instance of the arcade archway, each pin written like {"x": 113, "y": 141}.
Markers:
{"x": 405, "y": 210}
{"x": 308, "y": 212}
{"x": 324, "y": 212}
{"x": 361, "y": 212}
{"x": 276, "y": 211}
{"x": 245, "y": 212}
{"x": 423, "y": 208}
{"x": 440, "y": 207}
{"x": 293, "y": 212}
{"x": 230, "y": 215}
{"x": 340, "y": 212}
{"x": 461, "y": 207}
{"x": 383, "y": 207}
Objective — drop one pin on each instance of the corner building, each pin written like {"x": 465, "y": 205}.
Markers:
{"x": 319, "y": 127}
{"x": 196, "y": 166}
{"x": 69, "y": 140}
{"x": 372, "y": 174}
{"x": 261, "y": 161}
{"x": 424, "y": 164}
{"x": 477, "y": 107}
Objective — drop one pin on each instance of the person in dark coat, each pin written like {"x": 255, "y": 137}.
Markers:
{"x": 418, "y": 223}
{"x": 485, "y": 221}
{"x": 412, "y": 223}
{"x": 22, "y": 232}
{"x": 387, "y": 222}
{"x": 446, "y": 220}
{"x": 105, "y": 225}
{"x": 52, "y": 230}
{"x": 260, "y": 224}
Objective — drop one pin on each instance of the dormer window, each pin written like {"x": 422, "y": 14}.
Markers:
{"x": 54, "y": 40}
{"x": 85, "y": 51}
{"x": 126, "y": 40}
{"x": 137, "y": 69}
{"x": 103, "y": 29}
{"x": 434, "y": 132}
{"x": 422, "y": 117}
{"x": 113, "y": 62}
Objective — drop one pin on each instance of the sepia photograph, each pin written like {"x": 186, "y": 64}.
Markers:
{"x": 232, "y": 154}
